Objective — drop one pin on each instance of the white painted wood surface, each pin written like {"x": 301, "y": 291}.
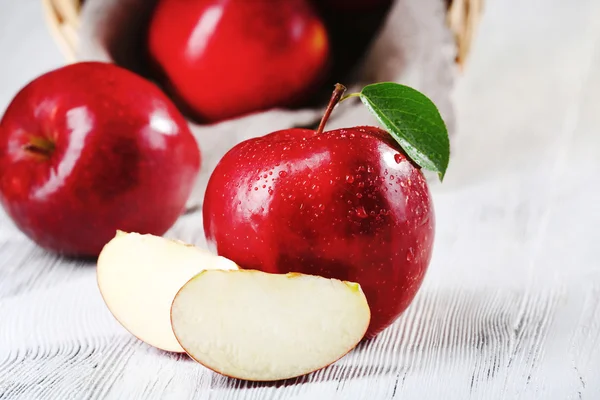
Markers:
{"x": 511, "y": 304}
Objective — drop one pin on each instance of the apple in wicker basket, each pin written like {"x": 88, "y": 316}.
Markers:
{"x": 91, "y": 148}
{"x": 222, "y": 59}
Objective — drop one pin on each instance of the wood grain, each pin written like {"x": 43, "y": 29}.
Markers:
{"x": 510, "y": 308}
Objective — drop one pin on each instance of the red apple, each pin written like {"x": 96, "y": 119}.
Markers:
{"x": 345, "y": 204}
{"x": 91, "y": 148}
{"x": 228, "y": 58}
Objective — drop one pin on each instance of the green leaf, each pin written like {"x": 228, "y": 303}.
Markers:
{"x": 414, "y": 122}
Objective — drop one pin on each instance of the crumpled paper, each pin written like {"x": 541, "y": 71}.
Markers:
{"x": 414, "y": 47}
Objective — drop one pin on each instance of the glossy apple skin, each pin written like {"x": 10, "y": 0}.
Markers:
{"x": 124, "y": 158}
{"x": 226, "y": 58}
{"x": 343, "y": 204}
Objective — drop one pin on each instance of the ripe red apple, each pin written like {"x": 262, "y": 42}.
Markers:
{"x": 223, "y": 59}
{"x": 345, "y": 204}
{"x": 91, "y": 148}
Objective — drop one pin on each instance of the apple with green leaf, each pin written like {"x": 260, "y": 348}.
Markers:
{"x": 334, "y": 230}
{"x": 350, "y": 204}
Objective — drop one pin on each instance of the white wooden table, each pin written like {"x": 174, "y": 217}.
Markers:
{"x": 511, "y": 303}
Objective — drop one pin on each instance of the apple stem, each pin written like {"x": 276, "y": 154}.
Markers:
{"x": 39, "y": 146}
{"x": 349, "y": 95}
{"x": 337, "y": 94}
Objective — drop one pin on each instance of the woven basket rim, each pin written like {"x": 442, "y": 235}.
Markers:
{"x": 63, "y": 19}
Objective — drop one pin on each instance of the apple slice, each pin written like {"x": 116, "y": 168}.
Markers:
{"x": 139, "y": 276}
{"x": 259, "y": 326}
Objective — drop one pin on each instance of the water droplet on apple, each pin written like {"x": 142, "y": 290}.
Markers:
{"x": 369, "y": 169}
{"x": 270, "y": 172}
{"x": 270, "y": 191}
{"x": 255, "y": 187}
{"x": 359, "y": 195}
{"x": 410, "y": 255}
{"x": 264, "y": 186}
{"x": 385, "y": 172}
{"x": 282, "y": 174}
{"x": 361, "y": 212}
{"x": 321, "y": 207}
{"x": 361, "y": 168}
{"x": 310, "y": 196}
{"x": 361, "y": 184}
{"x": 392, "y": 177}
{"x": 349, "y": 179}
{"x": 398, "y": 158}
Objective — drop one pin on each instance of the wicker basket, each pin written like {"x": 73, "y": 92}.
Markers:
{"x": 63, "y": 18}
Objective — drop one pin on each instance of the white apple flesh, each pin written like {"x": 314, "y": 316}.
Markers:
{"x": 259, "y": 326}
{"x": 139, "y": 276}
